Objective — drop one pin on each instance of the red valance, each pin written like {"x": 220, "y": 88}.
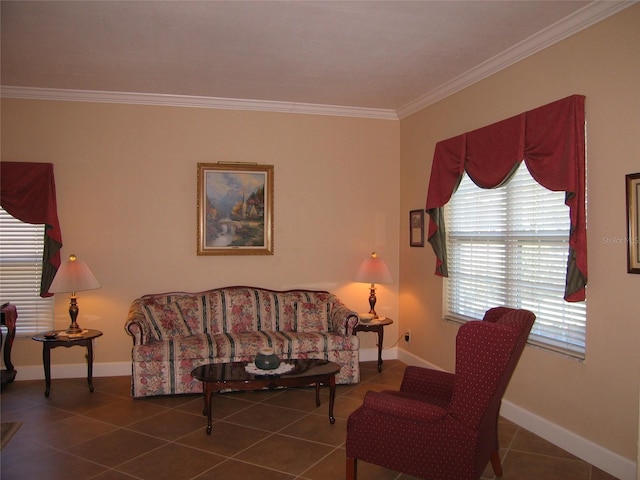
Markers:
{"x": 551, "y": 140}
{"x": 28, "y": 192}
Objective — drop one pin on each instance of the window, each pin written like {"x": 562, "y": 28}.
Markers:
{"x": 509, "y": 246}
{"x": 21, "y": 248}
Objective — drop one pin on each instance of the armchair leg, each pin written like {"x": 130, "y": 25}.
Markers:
{"x": 495, "y": 463}
{"x": 352, "y": 468}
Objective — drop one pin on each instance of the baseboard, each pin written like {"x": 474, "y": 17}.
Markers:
{"x": 74, "y": 370}
{"x": 606, "y": 460}
{"x": 612, "y": 463}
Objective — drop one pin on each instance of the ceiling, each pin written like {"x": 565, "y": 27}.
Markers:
{"x": 360, "y": 56}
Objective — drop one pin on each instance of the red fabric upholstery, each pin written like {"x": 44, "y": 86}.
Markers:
{"x": 443, "y": 426}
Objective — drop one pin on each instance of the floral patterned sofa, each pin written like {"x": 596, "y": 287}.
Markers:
{"x": 175, "y": 332}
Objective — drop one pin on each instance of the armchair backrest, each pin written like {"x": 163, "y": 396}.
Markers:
{"x": 487, "y": 353}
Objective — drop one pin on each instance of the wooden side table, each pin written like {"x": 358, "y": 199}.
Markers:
{"x": 377, "y": 326}
{"x": 61, "y": 340}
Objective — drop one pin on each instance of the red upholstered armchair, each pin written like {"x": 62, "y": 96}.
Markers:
{"x": 443, "y": 426}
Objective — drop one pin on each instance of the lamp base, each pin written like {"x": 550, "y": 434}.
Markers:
{"x": 73, "y": 313}
{"x": 372, "y": 301}
{"x": 73, "y": 328}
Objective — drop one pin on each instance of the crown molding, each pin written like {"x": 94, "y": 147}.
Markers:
{"x": 33, "y": 93}
{"x": 587, "y": 16}
{"x": 581, "y": 19}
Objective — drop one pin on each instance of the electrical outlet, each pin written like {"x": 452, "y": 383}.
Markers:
{"x": 407, "y": 336}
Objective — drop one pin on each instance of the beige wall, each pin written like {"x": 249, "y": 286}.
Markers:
{"x": 126, "y": 189}
{"x": 126, "y": 178}
{"x": 596, "y": 399}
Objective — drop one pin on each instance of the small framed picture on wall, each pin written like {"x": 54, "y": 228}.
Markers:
{"x": 633, "y": 221}
{"x": 416, "y": 228}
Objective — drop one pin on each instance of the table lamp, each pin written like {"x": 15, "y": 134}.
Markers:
{"x": 73, "y": 276}
{"x": 373, "y": 270}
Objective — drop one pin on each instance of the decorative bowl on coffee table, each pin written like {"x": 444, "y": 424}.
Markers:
{"x": 266, "y": 359}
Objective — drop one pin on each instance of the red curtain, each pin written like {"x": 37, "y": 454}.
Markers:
{"x": 28, "y": 192}
{"x": 551, "y": 140}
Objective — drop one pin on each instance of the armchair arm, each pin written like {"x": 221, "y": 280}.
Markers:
{"x": 343, "y": 320}
{"x": 403, "y": 407}
{"x": 426, "y": 381}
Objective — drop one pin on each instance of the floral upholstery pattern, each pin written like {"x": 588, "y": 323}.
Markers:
{"x": 311, "y": 317}
{"x": 174, "y": 333}
{"x": 166, "y": 320}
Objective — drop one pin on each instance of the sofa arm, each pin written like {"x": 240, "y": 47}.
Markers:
{"x": 343, "y": 320}
{"x": 136, "y": 325}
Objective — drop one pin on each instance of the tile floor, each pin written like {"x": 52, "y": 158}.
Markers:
{"x": 266, "y": 435}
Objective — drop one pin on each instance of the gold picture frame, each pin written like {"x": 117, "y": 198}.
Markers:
{"x": 416, "y": 228}
{"x": 235, "y": 209}
{"x": 633, "y": 222}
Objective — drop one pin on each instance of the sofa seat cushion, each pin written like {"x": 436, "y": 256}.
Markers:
{"x": 193, "y": 347}
{"x": 242, "y": 346}
{"x": 286, "y": 344}
{"x": 295, "y": 343}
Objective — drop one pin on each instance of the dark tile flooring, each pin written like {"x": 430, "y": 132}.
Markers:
{"x": 266, "y": 435}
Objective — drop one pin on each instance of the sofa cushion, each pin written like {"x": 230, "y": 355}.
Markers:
{"x": 311, "y": 317}
{"x": 232, "y": 310}
{"x": 192, "y": 307}
{"x": 166, "y": 320}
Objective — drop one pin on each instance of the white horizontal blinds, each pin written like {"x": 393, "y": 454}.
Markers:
{"x": 509, "y": 246}
{"x": 21, "y": 246}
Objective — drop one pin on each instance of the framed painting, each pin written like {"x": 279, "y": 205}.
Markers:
{"x": 633, "y": 221}
{"x": 235, "y": 209}
{"x": 416, "y": 228}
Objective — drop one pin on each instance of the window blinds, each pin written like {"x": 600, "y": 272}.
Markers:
{"x": 509, "y": 246}
{"x": 21, "y": 249}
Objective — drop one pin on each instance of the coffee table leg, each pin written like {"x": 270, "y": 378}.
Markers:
{"x": 207, "y": 392}
{"x": 318, "y": 393}
{"x": 332, "y": 397}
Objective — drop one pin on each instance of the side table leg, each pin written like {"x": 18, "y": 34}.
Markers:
{"x": 90, "y": 364}
{"x": 46, "y": 361}
{"x": 380, "y": 339}
{"x": 11, "y": 335}
{"x": 332, "y": 397}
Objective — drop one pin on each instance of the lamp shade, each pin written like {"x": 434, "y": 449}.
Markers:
{"x": 73, "y": 276}
{"x": 374, "y": 270}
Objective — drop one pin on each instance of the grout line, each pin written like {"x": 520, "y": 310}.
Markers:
{"x": 32, "y": 398}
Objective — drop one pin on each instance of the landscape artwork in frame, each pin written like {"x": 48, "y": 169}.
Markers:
{"x": 235, "y": 209}
{"x": 416, "y": 228}
{"x": 633, "y": 221}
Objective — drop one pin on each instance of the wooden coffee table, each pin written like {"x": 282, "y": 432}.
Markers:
{"x": 222, "y": 376}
